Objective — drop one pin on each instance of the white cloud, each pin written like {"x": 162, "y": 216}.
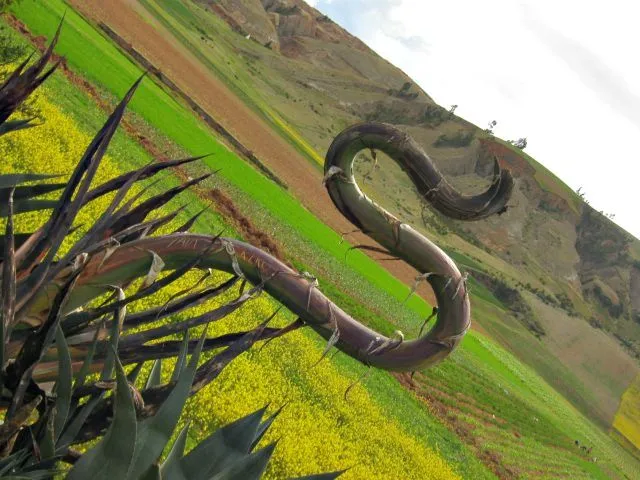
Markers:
{"x": 563, "y": 73}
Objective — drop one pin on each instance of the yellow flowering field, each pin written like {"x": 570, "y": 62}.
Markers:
{"x": 318, "y": 430}
{"x": 627, "y": 419}
{"x": 54, "y": 147}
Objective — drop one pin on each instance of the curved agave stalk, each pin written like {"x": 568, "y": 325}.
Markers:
{"x": 401, "y": 240}
{"x": 297, "y": 292}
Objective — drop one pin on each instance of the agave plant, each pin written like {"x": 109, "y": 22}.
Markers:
{"x": 67, "y": 334}
{"x": 50, "y": 347}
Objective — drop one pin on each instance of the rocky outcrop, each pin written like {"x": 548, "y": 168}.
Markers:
{"x": 276, "y": 22}
{"x": 634, "y": 291}
{"x": 607, "y": 272}
{"x": 290, "y": 20}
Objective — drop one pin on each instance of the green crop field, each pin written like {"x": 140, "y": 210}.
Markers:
{"x": 500, "y": 413}
{"x": 518, "y": 417}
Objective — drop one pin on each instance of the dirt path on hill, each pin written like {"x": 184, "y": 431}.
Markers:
{"x": 180, "y": 65}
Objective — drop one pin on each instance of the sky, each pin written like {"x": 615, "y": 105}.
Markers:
{"x": 563, "y": 73}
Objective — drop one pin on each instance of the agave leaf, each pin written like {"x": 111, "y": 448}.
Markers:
{"x": 142, "y": 193}
{"x": 47, "y": 444}
{"x": 28, "y": 205}
{"x": 116, "y": 326}
{"x": 15, "y": 74}
{"x": 177, "y": 327}
{"x": 169, "y": 349}
{"x": 170, "y": 468}
{"x": 36, "y": 345}
{"x": 32, "y": 475}
{"x": 117, "y": 200}
{"x": 18, "y": 240}
{"x": 250, "y": 467}
{"x": 15, "y": 125}
{"x": 221, "y": 449}
{"x": 181, "y": 359}
{"x": 133, "y": 374}
{"x": 139, "y": 213}
{"x": 63, "y": 384}
{"x": 15, "y": 179}
{"x": 177, "y": 306}
{"x": 97, "y": 230}
{"x": 185, "y": 227}
{"x": 152, "y": 473}
{"x": 79, "y": 320}
{"x": 144, "y": 172}
{"x": 12, "y": 461}
{"x": 21, "y": 83}
{"x": 155, "y": 432}
{"x": 162, "y": 221}
{"x": 241, "y": 434}
{"x": 29, "y": 191}
{"x": 113, "y": 455}
{"x": 263, "y": 427}
{"x": 88, "y": 361}
{"x": 8, "y": 287}
{"x": 271, "y": 334}
{"x": 68, "y": 207}
{"x": 155, "y": 376}
{"x": 77, "y": 422}
{"x": 9, "y": 428}
{"x": 212, "y": 367}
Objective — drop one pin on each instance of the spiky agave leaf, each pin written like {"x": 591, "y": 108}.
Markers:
{"x": 228, "y": 450}
{"x": 113, "y": 456}
{"x": 24, "y": 80}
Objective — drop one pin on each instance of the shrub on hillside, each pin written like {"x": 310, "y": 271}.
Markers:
{"x": 434, "y": 116}
{"x": 459, "y": 139}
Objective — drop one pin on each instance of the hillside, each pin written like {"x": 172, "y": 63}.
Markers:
{"x": 573, "y": 257}
{"x": 320, "y": 72}
{"x": 592, "y": 261}
{"x": 552, "y": 280}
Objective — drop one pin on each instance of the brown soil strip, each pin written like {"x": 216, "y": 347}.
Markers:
{"x": 464, "y": 430}
{"x": 250, "y": 232}
{"x": 464, "y": 404}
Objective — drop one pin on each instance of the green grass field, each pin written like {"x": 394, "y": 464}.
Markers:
{"x": 516, "y": 416}
{"x": 480, "y": 380}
